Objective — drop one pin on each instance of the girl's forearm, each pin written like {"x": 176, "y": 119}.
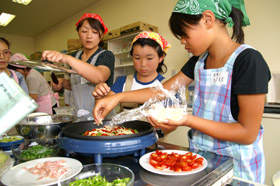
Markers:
{"x": 90, "y": 72}
{"x": 136, "y": 96}
{"x": 66, "y": 84}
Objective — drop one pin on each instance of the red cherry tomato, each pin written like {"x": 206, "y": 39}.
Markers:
{"x": 174, "y": 161}
{"x": 158, "y": 152}
{"x": 188, "y": 168}
{"x": 195, "y": 165}
{"x": 178, "y": 169}
{"x": 153, "y": 162}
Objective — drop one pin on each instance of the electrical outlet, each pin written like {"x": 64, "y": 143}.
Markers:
{"x": 173, "y": 72}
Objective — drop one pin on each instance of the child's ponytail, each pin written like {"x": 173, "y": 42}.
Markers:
{"x": 238, "y": 33}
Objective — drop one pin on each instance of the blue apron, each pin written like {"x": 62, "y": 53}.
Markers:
{"x": 82, "y": 88}
{"x": 212, "y": 101}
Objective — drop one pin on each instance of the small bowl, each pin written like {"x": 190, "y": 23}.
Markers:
{"x": 110, "y": 171}
{"x": 276, "y": 179}
{"x": 6, "y": 142}
{"x": 64, "y": 110}
{"x": 46, "y": 126}
{"x": 32, "y": 149}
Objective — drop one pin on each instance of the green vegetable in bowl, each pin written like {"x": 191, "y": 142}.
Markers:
{"x": 99, "y": 181}
{"x": 10, "y": 139}
{"x": 3, "y": 158}
{"x": 35, "y": 152}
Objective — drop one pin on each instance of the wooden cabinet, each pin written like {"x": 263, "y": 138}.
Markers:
{"x": 121, "y": 47}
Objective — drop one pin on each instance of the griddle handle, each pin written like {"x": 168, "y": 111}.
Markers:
{"x": 160, "y": 133}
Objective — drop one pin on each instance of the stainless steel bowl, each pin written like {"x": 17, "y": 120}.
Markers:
{"x": 46, "y": 126}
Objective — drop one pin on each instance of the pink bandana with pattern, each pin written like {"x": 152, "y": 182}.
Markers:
{"x": 94, "y": 16}
{"x": 156, "y": 37}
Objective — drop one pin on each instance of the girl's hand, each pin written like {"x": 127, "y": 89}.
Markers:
{"x": 54, "y": 56}
{"x": 103, "y": 107}
{"x": 165, "y": 128}
{"x": 58, "y": 86}
{"x": 169, "y": 124}
{"x": 100, "y": 91}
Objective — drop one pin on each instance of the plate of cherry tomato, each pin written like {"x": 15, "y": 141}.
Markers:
{"x": 173, "y": 162}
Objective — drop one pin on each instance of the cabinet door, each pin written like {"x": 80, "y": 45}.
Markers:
{"x": 121, "y": 47}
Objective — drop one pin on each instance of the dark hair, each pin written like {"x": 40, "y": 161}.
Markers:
{"x": 178, "y": 22}
{"x": 237, "y": 17}
{"x": 5, "y": 41}
{"x": 146, "y": 41}
{"x": 95, "y": 24}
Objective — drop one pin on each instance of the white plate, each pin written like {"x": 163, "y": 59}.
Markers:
{"x": 145, "y": 163}
{"x": 17, "y": 175}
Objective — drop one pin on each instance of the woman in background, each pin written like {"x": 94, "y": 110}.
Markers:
{"x": 38, "y": 87}
{"x": 5, "y": 54}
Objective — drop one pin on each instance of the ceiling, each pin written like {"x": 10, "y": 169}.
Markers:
{"x": 39, "y": 15}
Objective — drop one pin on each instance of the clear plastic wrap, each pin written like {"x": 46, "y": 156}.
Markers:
{"x": 168, "y": 104}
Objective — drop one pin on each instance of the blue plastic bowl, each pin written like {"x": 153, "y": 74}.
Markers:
{"x": 6, "y": 146}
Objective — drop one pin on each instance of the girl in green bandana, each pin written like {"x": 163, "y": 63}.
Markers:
{"x": 231, "y": 80}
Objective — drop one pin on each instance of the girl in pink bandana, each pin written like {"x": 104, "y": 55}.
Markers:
{"x": 93, "y": 64}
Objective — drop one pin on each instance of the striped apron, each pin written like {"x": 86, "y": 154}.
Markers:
{"x": 212, "y": 101}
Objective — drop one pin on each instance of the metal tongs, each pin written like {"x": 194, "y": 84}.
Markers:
{"x": 43, "y": 65}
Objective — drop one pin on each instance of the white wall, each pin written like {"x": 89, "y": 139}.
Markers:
{"x": 263, "y": 33}
{"x": 24, "y": 45}
{"x": 271, "y": 146}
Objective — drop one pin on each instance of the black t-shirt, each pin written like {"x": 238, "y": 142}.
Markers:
{"x": 106, "y": 58}
{"x": 250, "y": 75}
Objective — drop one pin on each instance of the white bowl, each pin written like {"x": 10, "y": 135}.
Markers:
{"x": 276, "y": 179}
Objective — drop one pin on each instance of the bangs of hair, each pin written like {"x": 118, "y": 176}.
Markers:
{"x": 150, "y": 42}
{"x": 162, "y": 68}
{"x": 95, "y": 24}
{"x": 178, "y": 22}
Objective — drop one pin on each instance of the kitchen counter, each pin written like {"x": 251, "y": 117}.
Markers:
{"x": 218, "y": 170}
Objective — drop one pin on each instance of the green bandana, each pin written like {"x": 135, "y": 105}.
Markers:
{"x": 220, "y": 8}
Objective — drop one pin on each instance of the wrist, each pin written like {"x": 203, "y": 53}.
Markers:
{"x": 120, "y": 97}
{"x": 189, "y": 119}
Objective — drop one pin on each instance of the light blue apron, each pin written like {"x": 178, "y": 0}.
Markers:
{"x": 212, "y": 101}
{"x": 82, "y": 89}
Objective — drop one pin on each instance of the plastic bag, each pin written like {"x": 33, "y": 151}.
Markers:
{"x": 166, "y": 105}
{"x": 83, "y": 115}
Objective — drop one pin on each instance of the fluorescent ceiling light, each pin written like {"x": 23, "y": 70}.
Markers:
{"x": 24, "y": 2}
{"x": 5, "y": 19}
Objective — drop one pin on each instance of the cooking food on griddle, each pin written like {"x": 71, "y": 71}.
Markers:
{"x": 110, "y": 131}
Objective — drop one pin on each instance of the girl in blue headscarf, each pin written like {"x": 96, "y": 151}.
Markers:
{"x": 231, "y": 80}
